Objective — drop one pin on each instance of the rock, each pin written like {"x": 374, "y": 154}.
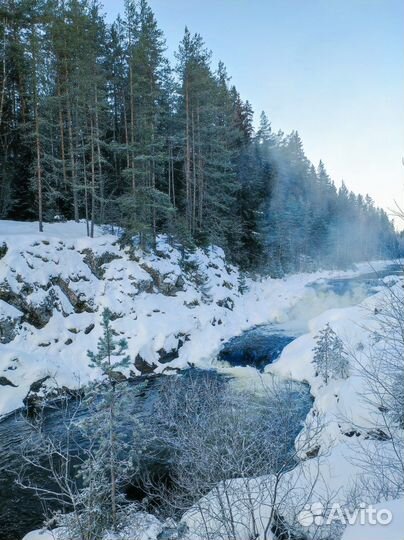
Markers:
{"x": 352, "y": 433}
{"x": 226, "y": 303}
{"x": 168, "y": 284}
{"x": 77, "y": 301}
{"x": 32, "y": 401}
{"x": 182, "y": 338}
{"x": 194, "y": 303}
{"x": 37, "y": 385}
{"x": 142, "y": 285}
{"x": 313, "y": 452}
{"x": 174, "y": 369}
{"x": 377, "y": 435}
{"x": 180, "y": 283}
{"x": 167, "y": 356}
{"x": 68, "y": 341}
{"x": 117, "y": 376}
{"x": 8, "y": 328}
{"x": 5, "y": 382}
{"x": 3, "y": 249}
{"x": 143, "y": 366}
{"x": 96, "y": 262}
{"x": 172, "y": 531}
{"x": 33, "y": 405}
{"x": 36, "y": 315}
{"x": 89, "y": 328}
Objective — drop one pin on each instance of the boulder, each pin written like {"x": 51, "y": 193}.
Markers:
{"x": 5, "y": 382}
{"x": 143, "y": 366}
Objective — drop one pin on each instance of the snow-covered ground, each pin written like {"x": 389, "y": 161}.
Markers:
{"x": 176, "y": 310}
{"x": 173, "y": 310}
{"x": 393, "y": 530}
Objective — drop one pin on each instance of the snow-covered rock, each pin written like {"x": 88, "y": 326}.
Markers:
{"x": 54, "y": 286}
{"x": 43, "y": 534}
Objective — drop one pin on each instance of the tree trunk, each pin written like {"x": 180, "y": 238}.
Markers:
{"x": 72, "y": 164}
{"x": 62, "y": 138}
{"x": 187, "y": 158}
{"x": 34, "y": 45}
{"x": 92, "y": 177}
{"x": 38, "y": 169}
{"x": 4, "y": 75}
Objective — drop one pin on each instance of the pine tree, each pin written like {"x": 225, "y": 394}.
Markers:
{"x": 147, "y": 205}
{"x": 264, "y": 132}
{"x": 329, "y": 355}
{"x": 110, "y": 357}
{"x": 196, "y": 81}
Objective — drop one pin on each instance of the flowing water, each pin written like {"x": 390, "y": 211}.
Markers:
{"x": 21, "y": 511}
{"x": 263, "y": 344}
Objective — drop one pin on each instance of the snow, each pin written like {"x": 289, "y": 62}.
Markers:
{"x": 41, "y": 534}
{"x": 69, "y": 278}
{"x": 252, "y": 498}
{"x": 68, "y": 230}
{"x": 340, "y": 399}
{"x": 390, "y": 531}
{"x": 139, "y": 526}
{"x": 165, "y": 302}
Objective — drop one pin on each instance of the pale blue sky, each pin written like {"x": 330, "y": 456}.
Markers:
{"x": 332, "y": 69}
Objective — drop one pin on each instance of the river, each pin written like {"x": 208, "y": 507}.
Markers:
{"x": 21, "y": 511}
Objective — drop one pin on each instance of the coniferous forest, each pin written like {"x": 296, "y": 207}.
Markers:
{"x": 97, "y": 124}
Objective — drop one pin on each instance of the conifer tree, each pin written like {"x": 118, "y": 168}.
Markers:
{"x": 110, "y": 357}
{"x": 329, "y": 355}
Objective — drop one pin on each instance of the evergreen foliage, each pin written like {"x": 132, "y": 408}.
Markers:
{"x": 329, "y": 356}
{"x": 96, "y": 124}
{"x": 109, "y": 462}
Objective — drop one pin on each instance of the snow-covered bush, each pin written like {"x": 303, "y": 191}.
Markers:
{"x": 213, "y": 435}
{"x": 380, "y": 366}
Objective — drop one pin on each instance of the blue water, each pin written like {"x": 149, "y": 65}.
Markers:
{"x": 256, "y": 347}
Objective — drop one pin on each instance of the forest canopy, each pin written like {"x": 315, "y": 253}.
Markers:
{"x": 97, "y": 124}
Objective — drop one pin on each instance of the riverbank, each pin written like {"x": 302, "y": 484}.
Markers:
{"x": 174, "y": 309}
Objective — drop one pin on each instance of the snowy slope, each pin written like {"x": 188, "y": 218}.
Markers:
{"x": 172, "y": 309}
{"x": 340, "y": 402}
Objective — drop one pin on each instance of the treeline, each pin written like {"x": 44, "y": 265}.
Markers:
{"x": 96, "y": 124}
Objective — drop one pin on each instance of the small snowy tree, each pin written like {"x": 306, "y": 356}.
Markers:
{"x": 329, "y": 355}
{"x": 110, "y": 356}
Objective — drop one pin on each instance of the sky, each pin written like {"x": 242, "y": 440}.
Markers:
{"x": 331, "y": 69}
